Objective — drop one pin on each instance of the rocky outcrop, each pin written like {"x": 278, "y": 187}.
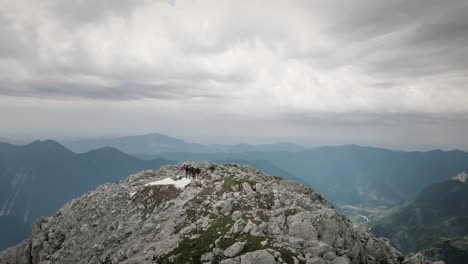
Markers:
{"x": 230, "y": 214}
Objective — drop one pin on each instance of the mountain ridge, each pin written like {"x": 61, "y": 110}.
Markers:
{"x": 354, "y": 174}
{"x": 436, "y": 215}
{"x": 154, "y": 143}
{"x": 229, "y": 214}
{"x": 35, "y": 179}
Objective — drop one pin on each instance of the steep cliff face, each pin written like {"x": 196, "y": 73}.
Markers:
{"x": 229, "y": 214}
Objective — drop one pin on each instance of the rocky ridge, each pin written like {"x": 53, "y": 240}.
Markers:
{"x": 230, "y": 214}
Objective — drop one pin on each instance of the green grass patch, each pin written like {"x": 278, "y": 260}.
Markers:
{"x": 265, "y": 200}
{"x": 277, "y": 178}
{"x": 191, "y": 250}
{"x": 231, "y": 181}
{"x": 291, "y": 212}
{"x": 248, "y": 216}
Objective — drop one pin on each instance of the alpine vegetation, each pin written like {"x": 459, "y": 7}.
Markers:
{"x": 226, "y": 214}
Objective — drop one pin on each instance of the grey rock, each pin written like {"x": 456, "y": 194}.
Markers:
{"x": 300, "y": 225}
{"x": 258, "y": 187}
{"x": 238, "y": 226}
{"x": 234, "y": 249}
{"x": 414, "y": 259}
{"x": 257, "y": 257}
{"x": 250, "y": 227}
{"x": 106, "y": 226}
{"x": 315, "y": 260}
{"x": 207, "y": 257}
{"x": 329, "y": 256}
{"x": 223, "y": 206}
{"x": 340, "y": 260}
{"x": 247, "y": 188}
{"x": 231, "y": 261}
{"x": 236, "y": 215}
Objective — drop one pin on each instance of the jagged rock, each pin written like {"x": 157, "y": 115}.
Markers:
{"x": 132, "y": 222}
{"x": 257, "y": 257}
{"x": 414, "y": 259}
{"x": 258, "y": 187}
{"x": 207, "y": 257}
{"x": 341, "y": 260}
{"x": 235, "y": 249}
{"x": 238, "y": 226}
{"x": 300, "y": 225}
{"x": 329, "y": 256}
{"x": 316, "y": 260}
{"x": 247, "y": 188}
{"x": 236, "y": 215}
{"x": 230, "y": 261}
{"x": 223, "y": 206}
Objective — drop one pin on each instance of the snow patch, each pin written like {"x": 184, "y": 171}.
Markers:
{"x": 461, "y": 177}
{"x": 180, "y": 184}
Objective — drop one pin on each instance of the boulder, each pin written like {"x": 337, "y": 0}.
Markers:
{"x": 257, "y": 257}
{"x": 234, "y": 249}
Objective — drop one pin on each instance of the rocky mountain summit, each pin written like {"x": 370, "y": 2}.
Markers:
{"x": 229, "y": 214}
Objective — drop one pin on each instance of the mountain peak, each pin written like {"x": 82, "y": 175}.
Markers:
{"x": 462, "y": 176}
{"x": 227, "y": 214}
{"x": 48, "y": 145}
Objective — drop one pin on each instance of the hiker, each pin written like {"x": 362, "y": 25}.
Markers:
{"x": 197, "y": 171}
{"x": 184, "y": 168}
{"x": 188, "y": 170}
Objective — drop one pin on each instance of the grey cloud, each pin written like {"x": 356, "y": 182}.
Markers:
{"x": 174, "y": 90}
{"x": 75, "y": 13}
{"x": 450, "y": 31}
{"x": 15, "y": 42}
{"x": 429, "y": 39}
{"x": 381, "y": 119}
{"x": 364, "y": 19}
{"x": 418, "y": 37}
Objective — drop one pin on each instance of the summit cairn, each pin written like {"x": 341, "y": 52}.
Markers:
{"x": 228, "y": 214}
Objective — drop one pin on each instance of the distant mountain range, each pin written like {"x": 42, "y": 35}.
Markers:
{"x": 35, "y": 179}
{"x": 435, "y": 221}
{"x": 156, "y": 143}
{"x": 352, "y": 174}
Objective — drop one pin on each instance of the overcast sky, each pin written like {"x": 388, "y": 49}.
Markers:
{"x": 382, "y": 73}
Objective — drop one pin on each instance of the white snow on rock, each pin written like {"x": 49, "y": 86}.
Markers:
{"x": 461, "y": 177}
{"x": 180, "y": 184}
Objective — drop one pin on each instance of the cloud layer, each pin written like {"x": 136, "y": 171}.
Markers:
{"x": 249, "y": 60}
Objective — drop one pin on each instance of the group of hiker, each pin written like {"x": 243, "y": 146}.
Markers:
{"x": 189, "y": 170}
